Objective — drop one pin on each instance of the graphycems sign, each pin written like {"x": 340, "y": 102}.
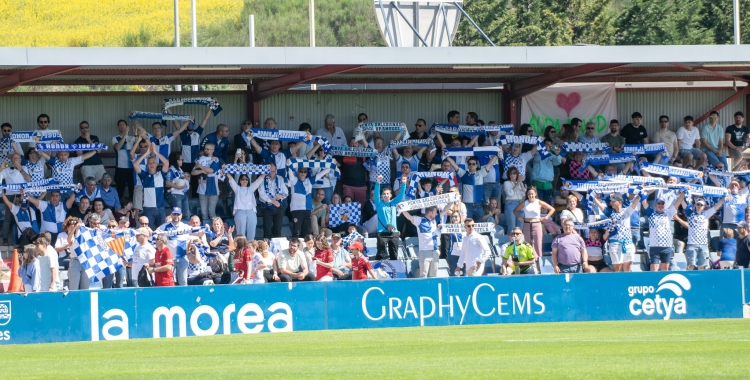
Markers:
{"x": 664, "y": 300}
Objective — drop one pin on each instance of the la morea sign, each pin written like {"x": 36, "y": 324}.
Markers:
{"x": 558, "y": 105}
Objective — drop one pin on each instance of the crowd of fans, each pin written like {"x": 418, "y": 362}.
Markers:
{"x": 517, "y": 188}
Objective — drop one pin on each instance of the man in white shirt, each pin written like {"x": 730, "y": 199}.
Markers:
{"x": 332, "y": 133}
{"x": 144, "y": 253}
{"x": 474, "y": 251}
{"x": 429, "y": 242}
{"x": 689, "y": 141}
{"x": 291, "y": 265}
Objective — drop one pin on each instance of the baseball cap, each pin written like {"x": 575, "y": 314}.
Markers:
{"x": 700, "y": 201}
{"x": 176, "y": 210}
{"x": 124, "y": 219}
{"x": 742, "y": 224}
{"x": 661, "y": 200}
{"x": 142, "y": 231}
{"x": 615, "y": 197}
{"x": 337, "y": 236}
{"x": 356, "y": 245}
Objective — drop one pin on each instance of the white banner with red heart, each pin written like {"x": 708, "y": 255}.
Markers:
{"x": 557, "y": 105}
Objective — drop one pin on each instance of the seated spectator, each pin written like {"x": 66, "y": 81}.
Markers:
{"x": 569, "y": 250}
{"x": 561, "y": 199}
{"x": 90, "y": 190}
{"x": 594, "y": 245}
{"x": 342, "y": 263}
{"x": 127, "y": 211}
{"x": 519, "y": 256}
{"x": 198, "y": 273}
{"x": 308, "y": 249}
{"x": 222, "y": 240}
{"x": 109, "y": 193}
{"x": 105, "y": 215}
{"x": 323, "y": 260}
{"x": 263, "y": 265}
{"x": 319, "y": 214}
{"x": 292, "y": 266}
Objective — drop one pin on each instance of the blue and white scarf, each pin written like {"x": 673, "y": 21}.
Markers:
{"x": 323, "y": 142}
{"x": 347, "y": 151}
{"x": 208, "y": 102}
{"x": 328, "y": 163}
{"x": 380, "y": 127}
{"x": 69, "y": 147}
{"x": 604, "y": 159}
{"x": 160, "y": 116}
{"x": 49, "y": 184}
{"x": 671, "y": 171}
{"x": 402, "y": 143}
{"x": 280, "y": 135}
{"x": 435, "y": 200}
{"x": 639, "y": 149}
{"x": 570, "y": 147}
{"x": 633, "y": 179}
{"x": 467, "y": 130}
{"x": 598, "y": 224}
{"x": 352, "y": 237}
{"x": 707, "y": 191}
{"x": 248, "y": 169}
{"x": 411, "y": 193}
{"x": 596, "y": 186}
{"x": 469, "y": 152}
{"x": 182, "y": 231}
{"x": 37, "y": 136}
{"x": 525, "y": 139}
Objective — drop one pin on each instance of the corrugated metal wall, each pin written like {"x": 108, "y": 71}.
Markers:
{"x": 675, "y": 104}
{"x": 290, "y": 110}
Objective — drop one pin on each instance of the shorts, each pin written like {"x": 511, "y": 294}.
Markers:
{"x": 598, "y": 264}
{"x": 615, "y": 253}
{"x": 695, "y": 151}
{"x": 695, "y": 251}
{"x": 660, "y": 255}
{"x": 138, "y": 198}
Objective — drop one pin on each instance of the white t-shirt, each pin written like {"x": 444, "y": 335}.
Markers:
{"x": 143, "y": 255}
{"x": 687, "y": 138}
{"x": 47, "y": 264}
{"x": 62, "y": 241}
{"x": 12, "y": 176}
{"x": 428, "y": 232}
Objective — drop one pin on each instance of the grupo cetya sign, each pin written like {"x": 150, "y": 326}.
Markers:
{"x": 247, "y": 309}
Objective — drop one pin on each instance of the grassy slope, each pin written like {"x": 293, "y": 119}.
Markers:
{"x": 648, "y": 349}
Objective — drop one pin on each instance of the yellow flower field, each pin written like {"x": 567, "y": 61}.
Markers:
{"x": 104, "y": 22}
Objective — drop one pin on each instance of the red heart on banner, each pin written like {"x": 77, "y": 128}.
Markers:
{"x": 568, "y": 102}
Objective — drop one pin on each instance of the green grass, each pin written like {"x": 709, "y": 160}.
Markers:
{"x": 701, "y": 349}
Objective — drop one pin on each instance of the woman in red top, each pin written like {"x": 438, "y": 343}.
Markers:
{"x": 243, "y": 256}
{"x": 163, "y": 262}
{"x": 323, "y": 259}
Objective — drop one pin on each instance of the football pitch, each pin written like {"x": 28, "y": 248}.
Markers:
{"x": 701, "y": 349}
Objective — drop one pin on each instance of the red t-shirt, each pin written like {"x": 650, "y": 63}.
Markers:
{"x": 325, "y": 256}
{"x": 164, "y": 257}
{"x": 240, "y": 262}
{"x": 360, "y": 266}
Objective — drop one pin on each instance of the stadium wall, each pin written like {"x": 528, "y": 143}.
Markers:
{"x": 237, "y": 309}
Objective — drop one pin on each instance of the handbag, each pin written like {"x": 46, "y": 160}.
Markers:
{"x": 144, "y": 278}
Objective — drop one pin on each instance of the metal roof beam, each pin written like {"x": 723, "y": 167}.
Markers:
{"x": 527, "y": 86}
{"x": 711, "y": 72}
{"x": 728, "y": 101}
{"x": 274, "y": 86}
{"x": 22, "y": 77}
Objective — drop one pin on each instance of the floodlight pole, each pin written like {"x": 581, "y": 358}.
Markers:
{"x": 177, "y": 32}
{"x": 736, "y": 22}
{"x": 313, "y": 86}
{"x": 195, "y": 32}
{"x": 251, "y": 25}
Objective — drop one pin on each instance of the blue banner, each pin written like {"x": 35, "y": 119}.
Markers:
{"x": 244, "y": 309}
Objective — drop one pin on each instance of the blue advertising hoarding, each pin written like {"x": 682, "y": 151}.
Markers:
{"x": 244, "y": 309}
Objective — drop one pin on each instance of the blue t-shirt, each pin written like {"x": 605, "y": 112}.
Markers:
{"x": 728, "y": 248}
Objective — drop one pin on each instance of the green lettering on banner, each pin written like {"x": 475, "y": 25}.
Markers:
{"x": 540, "y": 123}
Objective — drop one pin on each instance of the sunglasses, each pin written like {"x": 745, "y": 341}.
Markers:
{"x": 83, "y": 127}
{"x": 589, "y": 129}
{"x": 516, "y": 234}
{"x": 419, "y": 125}
{"x": 43, "y": 122}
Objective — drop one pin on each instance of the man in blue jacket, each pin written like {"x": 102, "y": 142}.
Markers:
{"x": 387, "y": 232}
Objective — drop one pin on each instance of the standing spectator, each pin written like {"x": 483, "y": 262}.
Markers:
{"x": 734, "y": 205}
{"x": 275, "y": 155}
{"x": 8, "y": 145}
{"x": 109, "y": 193}
{"x": 429, "y": 246}
{"x": 122, "y": 144}
{"x": 92, "y": 166}
{"x": 190, "y": 139}
{"x": 206, "y": 167}
{"x": 588, "y": 136}
{"x": 420, "y": 130}
{"x": 735, "y": 137}
{"x": 369, "y": 214}
{"x": 48, "y": 265}
{"x": 331, "y": 132}
{"x": 324, "y": 179}
{"x": 272, "y": 196}
{"x": 323, "y": 259}
{"x": 474, "y": 251}
{"x": 354, "y": 176}
{"x": 409, "y": 157}
{"x": 621, "y": 247}
{"x": 220, "y": 139}
{"x": 661, "y": 244}
{"x": 245, "y": 212}
{"x": 543, "y": 170}
{"x": 697, "y": 225}
{"x": 669, "y": 138}
{"x": 300, "y": 203}
{"x": 241, "y": 141}
{"x": 518, "y": 159}
{"x": 178, "y": 194}
{"x": 742, "y": 258}
{"x": 42, "y": 123}
{"x": 164, "y": 143}
{"x": 143, "y": 255}
{"x": 514, "y": 192}
{"x": 181, "y": 262}
{"x": 141, "y": 147}
{"x": 24, "y": 217}
{"x": 153, "y": 186}
{"x": 471, "y": 183}
{"x": 569, "y": 250}
{"x": 303, "y": 147}
{"x": 33, "y": 164}
{"x": 689, "y": 141}
{"x": 13, "y": 173}
{"x": 242, "y": 257}
{"x": 163, "y": 263}
{"x": 292, "y": 265}
{"x": 635, "y": 132}
{"x": 452, "y": 242}
{"x": 614, "y": 140}
{"x": 532, "y": 218}
{"x": 712, "y": 140}
{"x": 63, "y": 165}
{"x": 30, "y": 271}
{"x": 361, "y": 269}
{"x": 519, "y": 256}
{"x": 387, "y": 232}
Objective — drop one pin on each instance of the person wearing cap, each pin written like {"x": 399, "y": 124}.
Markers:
{"x": 697, "y": 225}
{"x": 661, "y": 237}
{"x": 180, "y": 262}
{"x": 108, "y": 193}
{"x": 143, "y": 254}
{"x": 361, "y": 268}
{"x": 162, "y": 264}
{"x": 621, "y": 247}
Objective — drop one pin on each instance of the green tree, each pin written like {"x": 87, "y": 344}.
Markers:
{"x": 671, "y": 22}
